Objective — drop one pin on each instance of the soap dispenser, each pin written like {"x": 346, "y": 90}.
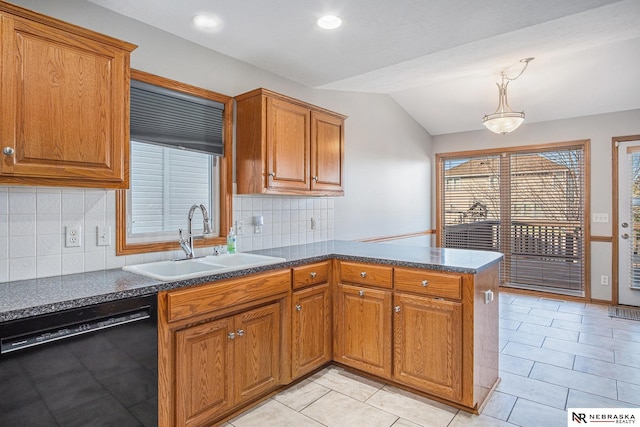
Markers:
{"x": 231, "y": 242}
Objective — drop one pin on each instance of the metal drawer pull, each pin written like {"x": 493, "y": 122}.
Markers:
{"x": 8, "y": 151}
{"x": 231, "y": 335}
{"x": 298, "y": 307}
{"x": 396, "y": 309}
{"x": 240, "y": 332}
{"x": 425, "y": 282}
{"x": 361, "y": 293}
{"x": 313, "y": 274}
{"x": 363, "y": 274}
{"x": 315, "y": 178}
{"x": 272, "y": 174}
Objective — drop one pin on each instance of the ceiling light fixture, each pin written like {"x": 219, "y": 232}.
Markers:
{"x": 505, "y": 120}
{"x": 206, "y": 22}
{"x": 329, "y": 22}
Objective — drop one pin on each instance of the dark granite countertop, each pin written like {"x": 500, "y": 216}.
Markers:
{"x": 26, "y": 298}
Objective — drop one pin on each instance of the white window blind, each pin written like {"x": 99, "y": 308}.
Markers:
{"x": 528, "y": 205}
{"x": 165, "y": 183}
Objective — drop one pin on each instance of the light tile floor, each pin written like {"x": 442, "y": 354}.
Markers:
{"x": 554, "y": 355}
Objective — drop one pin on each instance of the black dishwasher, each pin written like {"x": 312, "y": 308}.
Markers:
{"x": 90, "y": 366}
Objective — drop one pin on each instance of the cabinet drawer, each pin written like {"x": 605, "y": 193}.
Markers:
{"x": 313, "y": 274}
{"x": 185, "y": 303}
{"x": 445, "y": 285}
{"x": 366, "y": 274}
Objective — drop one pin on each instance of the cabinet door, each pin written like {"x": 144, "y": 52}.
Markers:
{"x": 428, "y": 345}
{"x": 203, "y": 364}
{"x": 257, "y": 354}
{"x": 327, "y": 152}
{"x": 64, "y": 107}
{"x": 311, "y": 329}
{"x": 287, "y": 145}
{"x": 363, "y": 329}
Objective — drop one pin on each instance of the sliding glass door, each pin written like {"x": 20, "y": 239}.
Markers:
{"x": 529, "y": 204}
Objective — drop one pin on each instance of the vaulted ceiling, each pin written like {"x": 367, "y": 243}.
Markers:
{"x": 439, "y": 59}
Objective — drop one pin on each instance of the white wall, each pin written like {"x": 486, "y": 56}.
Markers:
{"x": 387, "y": 156}
{"x": 599, "y": 129}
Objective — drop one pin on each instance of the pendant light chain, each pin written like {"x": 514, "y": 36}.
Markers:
{"x": 526, "y": 64}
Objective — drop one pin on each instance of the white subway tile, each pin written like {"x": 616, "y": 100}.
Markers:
{"x": 47, "y": 266}
{"x": 114, "y": 261}
{"x": 4, "y": 202}
{"x": 22, "y": 268}
{"x": 49, "y": 224}
{"x": 22, "y": 246}
{"x": 49, "y": 203}
{"x": 94, "y": 261}
{"x": 4, "y": 225}
{"x": 48, "y": 244}
{"x": 95, "y": 201}
{"x": 4, "y": 269}
{"x": 4, "y": 248}
{"x": 22, "y": 203}
{"x": 22, "y": 224}
{"x": 73, "y": 202}
{"x": 73, "y": 263}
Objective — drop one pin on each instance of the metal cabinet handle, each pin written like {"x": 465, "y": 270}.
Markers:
{"x": 315, "y": 178}
{"x": 8, "y": 151}
{"x": 363, "y": 274}
{"x": 396, "y": 309}
{"x": 425, "y": 283}
{"x": 272, "y": 174}
{"x": 298, "y": 307}
{"x": 231, "y": 335}
{"x": 313, "y": 274}
{"x": 240, "y": 332}
{"x": 361, "y": 293}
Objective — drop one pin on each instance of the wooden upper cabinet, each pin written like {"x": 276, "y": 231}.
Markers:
{"x": 64, "y": 103}
{"x": 327, "y": 152}
{"x": 285, "y": 146}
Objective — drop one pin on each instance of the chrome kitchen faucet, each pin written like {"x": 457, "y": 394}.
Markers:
{"x": 187, "y": 243}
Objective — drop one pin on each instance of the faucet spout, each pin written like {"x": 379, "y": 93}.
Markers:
{"x": 187, "y": 243}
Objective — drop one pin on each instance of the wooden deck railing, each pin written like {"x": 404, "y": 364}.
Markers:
{"x": 540, "y": 254}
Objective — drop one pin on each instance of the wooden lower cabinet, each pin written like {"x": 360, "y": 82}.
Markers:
{"x": 363, "y": 329}
{"x": 257, "y": 355}
{"x": 223, "y": 363}
{"x": 204, "y": 367}
{"x": 428, "y": 345}
{"x": 310, "y": 329}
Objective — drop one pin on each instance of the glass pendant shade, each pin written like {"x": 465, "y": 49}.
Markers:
{"x": 504, "y": 120}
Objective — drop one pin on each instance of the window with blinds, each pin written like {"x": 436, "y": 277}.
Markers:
{"x": 529, "y": 205}
{"x": 176, "y": 141}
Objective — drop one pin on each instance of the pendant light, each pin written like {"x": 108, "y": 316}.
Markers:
{"x": 505, "y": 120}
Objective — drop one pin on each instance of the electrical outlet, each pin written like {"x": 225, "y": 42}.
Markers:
{"x": 103, "y": 235}
{"x": 73, "y": 236}
{"x": 600, "y": 217}
{"x": 313, "y": 223}
{"x": 604, "y": 280}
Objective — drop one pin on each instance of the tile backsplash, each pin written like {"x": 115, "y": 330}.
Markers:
{"x": 33, "y": 222}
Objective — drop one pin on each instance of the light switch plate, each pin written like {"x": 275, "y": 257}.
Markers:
{"x": 104, "y": 236}
{"x": 600, "y": 217}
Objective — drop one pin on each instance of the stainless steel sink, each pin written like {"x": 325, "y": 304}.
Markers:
{"x": 199, "y": 267}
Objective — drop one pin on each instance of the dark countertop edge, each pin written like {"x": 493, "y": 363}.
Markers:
{"x": 158, "y": 286}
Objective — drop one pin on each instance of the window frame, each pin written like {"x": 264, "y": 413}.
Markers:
{"x": 524, "y": 149}
{"x": 225, "y": 179}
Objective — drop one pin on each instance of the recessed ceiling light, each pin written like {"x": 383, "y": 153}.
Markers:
{"x": 329, "y": 22}
{"x": 206, "y": 22}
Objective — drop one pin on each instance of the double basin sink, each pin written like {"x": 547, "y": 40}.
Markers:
{"x": 199, "y": 267}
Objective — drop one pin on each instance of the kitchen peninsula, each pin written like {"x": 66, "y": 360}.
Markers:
{"x": 421, "y": 318}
